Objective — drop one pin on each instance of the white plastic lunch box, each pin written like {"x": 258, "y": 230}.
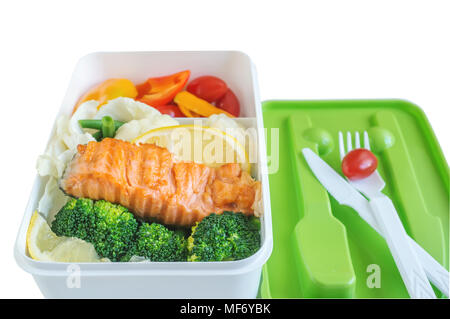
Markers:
{"x": 230, "y": 279}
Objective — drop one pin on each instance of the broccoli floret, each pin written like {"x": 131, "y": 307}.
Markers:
{"x": 115, "y": 230}
{"x": 228, "y": 236}
{"x": 117, "y": 235}
{"x": 109, "y": 227}
{"x": 158, "y": 243}
{"x": 75, "y": 219}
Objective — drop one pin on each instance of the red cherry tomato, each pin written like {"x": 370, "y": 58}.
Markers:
{"x": 207, "y": 87}
{"x": 359, "y": 163}
{"x": 170, "y": 109}
{"x": 229, "y": 103}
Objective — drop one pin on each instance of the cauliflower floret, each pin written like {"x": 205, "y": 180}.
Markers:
{"x": 62, "y": 146}
{"x": 138, "y": 117}
{"x": 135, "y": 128}
{"x": 125, "y": 109}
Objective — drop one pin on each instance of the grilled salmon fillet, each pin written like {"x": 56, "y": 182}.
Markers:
{"x": 145, "y": 179}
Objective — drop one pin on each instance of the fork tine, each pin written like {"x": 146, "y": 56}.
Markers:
{"x": 341, "y": 145}
{"x": 366, "y": 140}
{"x": 357, "y": 142}
{"x": 349, "y": 142}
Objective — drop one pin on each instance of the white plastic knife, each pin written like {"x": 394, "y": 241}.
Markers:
{"x": 346, "y": 195}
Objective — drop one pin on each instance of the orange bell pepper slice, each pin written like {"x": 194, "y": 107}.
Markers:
{"x": 161, "y": 90}
{"x": 109, "y": 90}
{"x": 193, "y": 104}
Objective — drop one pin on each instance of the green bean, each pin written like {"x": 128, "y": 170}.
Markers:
{"x": 97, "y": 135}
{"x": 108, "y": 127}
{"x": 97, "y": 124}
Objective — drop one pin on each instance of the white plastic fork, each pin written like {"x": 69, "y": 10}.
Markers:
{"x": 390, "y": 225}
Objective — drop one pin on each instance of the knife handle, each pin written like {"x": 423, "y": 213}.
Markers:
{"x": 435, "y": 272}
{"x": 407, "y": 262}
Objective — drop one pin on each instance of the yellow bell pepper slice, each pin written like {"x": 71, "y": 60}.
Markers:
{"x": 109, "y": 90}
{"x": 190, "y": 102}
{"x": 188, "y": 113}
{"x": 185, "y": 111}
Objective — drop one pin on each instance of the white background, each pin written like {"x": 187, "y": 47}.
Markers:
{"x": 302, "y": 50}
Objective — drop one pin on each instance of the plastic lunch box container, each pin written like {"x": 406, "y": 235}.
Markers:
{"x": 231, "y": 279}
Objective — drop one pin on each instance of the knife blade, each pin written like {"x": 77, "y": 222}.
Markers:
{"x": 338, "y": 187}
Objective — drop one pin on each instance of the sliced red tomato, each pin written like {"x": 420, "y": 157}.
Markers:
{"x": 359, "y": 163}
{"x": 230, "y": 103}
{"x": 207, "y": 87}
{"x": 160, "y": 91}
{"x": 170, "y": 109}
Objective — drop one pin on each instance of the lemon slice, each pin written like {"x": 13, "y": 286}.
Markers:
{"x": 44, "y": 245}
{"x": 200, "y": 144}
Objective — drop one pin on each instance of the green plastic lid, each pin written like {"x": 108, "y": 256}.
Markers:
{"x": 322, "y": 249}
